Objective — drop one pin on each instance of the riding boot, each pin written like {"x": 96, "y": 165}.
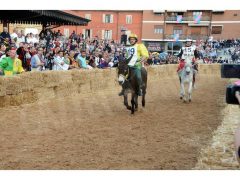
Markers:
{"x": 193, "y": 85}
{"x": 139, "y": 81}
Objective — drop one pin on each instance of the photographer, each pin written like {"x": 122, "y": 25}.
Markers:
{"x": 49, "y": 60}
{"x": 237, "y": 93}
{"x": 233, "y": 95}
{"x": 237, "y": 144}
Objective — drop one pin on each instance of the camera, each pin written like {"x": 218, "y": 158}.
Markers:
{"x": 231, "y": 71}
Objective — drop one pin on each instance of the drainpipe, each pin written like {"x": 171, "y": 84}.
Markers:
{"x": 164, "y": 29}
{"x": 210, "y": 25}
{"x": 117, "y": 38}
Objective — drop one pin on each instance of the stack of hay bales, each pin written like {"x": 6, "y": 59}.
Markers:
{"x": 40, "y": 86}
{"x": 220, "y": 153}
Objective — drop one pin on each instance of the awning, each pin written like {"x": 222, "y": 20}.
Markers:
{"x": 218, "y": 11}
{"x": 158, "y": 11}
{"x": 47, "y": 17}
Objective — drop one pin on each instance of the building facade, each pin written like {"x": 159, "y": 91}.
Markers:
{"x": 168, "y": 30}
{"x": 158, "y": 29}
{"x": 107, "y": 24}
{"x": 225, "y": 24}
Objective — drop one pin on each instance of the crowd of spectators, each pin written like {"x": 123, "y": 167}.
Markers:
{"x": 53, "y": 51}
{"x": 222, "y": 51}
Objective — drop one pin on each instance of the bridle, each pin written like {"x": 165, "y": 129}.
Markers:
{"x": 125, "y": 77}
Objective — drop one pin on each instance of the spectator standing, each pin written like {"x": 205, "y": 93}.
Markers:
{"x": 4, "y": 35}
{"x": 14, "y": 34}
{"x": 38, "y": 62}
{"x": 11, "y": 65}
{"x": 82, "y": 60}
{"x": 59, "y": 63}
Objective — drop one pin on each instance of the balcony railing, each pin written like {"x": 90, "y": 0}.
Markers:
{"x": 184, "y": 37}
{"x": 187, "y": 18}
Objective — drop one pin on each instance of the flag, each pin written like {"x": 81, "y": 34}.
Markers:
{"x": 197, "y": 19}
{"x": 176, "y": 37}
{"x": 179, "y": 19}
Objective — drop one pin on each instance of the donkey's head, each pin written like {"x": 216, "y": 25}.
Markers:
{"x": 122, "y": 71}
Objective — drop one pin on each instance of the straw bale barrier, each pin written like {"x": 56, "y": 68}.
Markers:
{"x": 37, "y": 86}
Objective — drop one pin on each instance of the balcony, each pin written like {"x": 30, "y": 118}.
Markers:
{"x": 183, "y": 37}
{"x": 173, "y": 19}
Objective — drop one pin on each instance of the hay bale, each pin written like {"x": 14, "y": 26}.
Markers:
{"x": 220, "y": 153}
{"x": 52, "y": 84}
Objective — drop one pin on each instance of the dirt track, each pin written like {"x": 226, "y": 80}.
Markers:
{"x": 97, "y": 132}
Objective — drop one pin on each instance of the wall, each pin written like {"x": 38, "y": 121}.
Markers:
{"x": 230, "y": 30}
{"x": 97, "y": 25}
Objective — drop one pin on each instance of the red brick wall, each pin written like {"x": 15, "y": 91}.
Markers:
{"x": 230, "y": 30}
{"x": 119, "y": 19}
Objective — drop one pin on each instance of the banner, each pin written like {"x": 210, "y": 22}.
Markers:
{"x": 197, "y": 19}
{"x": 179, "y": 18}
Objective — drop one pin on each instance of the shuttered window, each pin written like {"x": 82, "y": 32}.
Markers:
{"x": 217, "y": 29}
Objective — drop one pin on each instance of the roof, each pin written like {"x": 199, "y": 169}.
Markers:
{"x": 48, "y": 17}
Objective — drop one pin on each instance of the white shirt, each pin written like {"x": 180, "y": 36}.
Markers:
{"x": 14, "y": 35}
{"x": 30, "y": 40}
{"x": 188, "y": 52}
{"x": 132, "y": 51}
{"x": 3, "y": 56}
{"x": 57, "y": 63}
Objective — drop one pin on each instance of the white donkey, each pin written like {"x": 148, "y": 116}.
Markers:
{"x": 186, "y": 76}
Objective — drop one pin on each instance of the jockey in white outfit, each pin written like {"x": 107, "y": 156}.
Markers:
{"x": 188, "y": 54}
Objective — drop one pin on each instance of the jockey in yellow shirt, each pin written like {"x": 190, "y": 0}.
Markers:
{"x": 136, "y": 55}
{"x": 11, "y": 65}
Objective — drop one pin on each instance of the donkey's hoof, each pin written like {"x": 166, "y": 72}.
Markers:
{"x": 190, "y": 100}
{"x": 129, "y": 108}
{"x": 181, "y": 97}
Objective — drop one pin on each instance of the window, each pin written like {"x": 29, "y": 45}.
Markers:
{"x": 197, "y": 13}
{"x": 88, "y": 16}
{"x": 217, "y": 29}
{"x": 195, "y": 30}
{"x": 177, "y": 31}
{"x": 159, "y": 14}
{"x": 128, "y": 19}
{"x": 158, "y": 29}
{"x": 107, "y": 18}
{"x": 107, "y": 34}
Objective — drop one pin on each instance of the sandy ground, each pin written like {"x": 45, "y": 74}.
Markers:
{"x": 95, "y": 131}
